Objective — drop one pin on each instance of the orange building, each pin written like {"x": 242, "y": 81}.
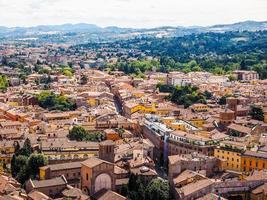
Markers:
{"x": 251, "y": 160}
{"x": 111, "y": 134}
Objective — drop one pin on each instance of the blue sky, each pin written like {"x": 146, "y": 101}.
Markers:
{"x": 130, "y": 13}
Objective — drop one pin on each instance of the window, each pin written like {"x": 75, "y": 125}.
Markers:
{"x": 263, "y": 165}
{"x": 250, "y": 163}
{"x": 87, "y": 177}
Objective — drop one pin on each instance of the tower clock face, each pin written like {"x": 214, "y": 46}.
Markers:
{"x": 102, "y": 181}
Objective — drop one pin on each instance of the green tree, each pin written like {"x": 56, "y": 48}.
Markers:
{"x": 3, "y": 83}
{"x": 27, "y": 148}
{"x": 67, "y": 72}
{"x": 261, "y": 68}
{"x": 186, "y": 95}
{"x": 16, "y": 147}
{"x": 132, "y": 182}
{"x": 34, "y": 162}
{"x": 218, "y": 71}
{"x": 208, "y": 94}
{"x": 124, "y": 190}
{"x": 17, "y": 163}
{"x": 25, "y": 164}
{"x": 136, "y": 190}
{"x": 257, "y": 113}
{"x": 232, "y": 78}
{"x": 84, "y": 79}
{"x": 77, "y": 133}
{"x": 243, "y": 65}
{"x": 158, "y": 189}
{"x": 165, "y": 88}
{"x": 141, "y": 189}
{"x": 22, "y": 175}
{"x": 222, "y": 100}
{"x": 14, "y": 169}
{"x": 50, "y": 101}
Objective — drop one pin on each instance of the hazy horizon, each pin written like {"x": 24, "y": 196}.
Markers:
{"x": 130, "y": 13}
{"x": 129, "y": 26}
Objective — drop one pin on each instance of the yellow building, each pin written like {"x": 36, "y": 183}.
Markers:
{"x": 93, "y": 101}
{"x": 199, "y": 107}
{"x": 5, "y": 158}
{"x": 230, "y": 152}
{"x": 42, "y": 173}
{"x": 130, "y": 108}
{"x": 254, "y": 161}
{"x": 69, "y": 151}
{"x": 198, "y": 122}
{"x": 178, "y": 124}
{"x": 265, "y": 116}
{"x": 11, "y": 103}
{"x": 163, "y": 111}
{"x": 138, "y": 93}
{"x": 168, "y": 120}
{"x": 173, "y": 123}
{"x": 7, "y": 149}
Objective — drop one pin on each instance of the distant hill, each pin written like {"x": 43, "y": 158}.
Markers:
{"x": 83, "y": 32}
{"x": 240, "y": 26}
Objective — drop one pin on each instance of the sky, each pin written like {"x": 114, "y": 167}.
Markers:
{"x": 130, "y": 13}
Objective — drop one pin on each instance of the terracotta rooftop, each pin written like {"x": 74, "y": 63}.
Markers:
{"x": 92, "y": 162}
{"x": 49, "y": 182}
{"x": 36, "y": 195}
{"x": 105, "y": 194}
{"x": 63, "y": 166}
{"x": 255, "y": 154}
{"x": 239, "y": 128}
{"x": 195, "y": 186}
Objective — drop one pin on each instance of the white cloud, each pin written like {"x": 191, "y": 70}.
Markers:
{"x": 130, "y": 13}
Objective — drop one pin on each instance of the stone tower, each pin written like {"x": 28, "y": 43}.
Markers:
{"x": 106, "y": 151}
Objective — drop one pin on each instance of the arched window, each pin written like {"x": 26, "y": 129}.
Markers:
{"x": 102, "y": 181}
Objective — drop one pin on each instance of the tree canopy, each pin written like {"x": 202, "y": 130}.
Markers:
{"x": 139, "y": 189}
{"x": 158, "y": 189}
{"x": 51, "y": 101}
{"x": 78, "y": 133}
{"x": 257, "y": 113}
{"x": 25, "y": 164}
{"x": 3, "y": 83}
{"x": 84, "y": 79}
{"x": 219, "y": 53}
{"x": 185, "y": 95}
